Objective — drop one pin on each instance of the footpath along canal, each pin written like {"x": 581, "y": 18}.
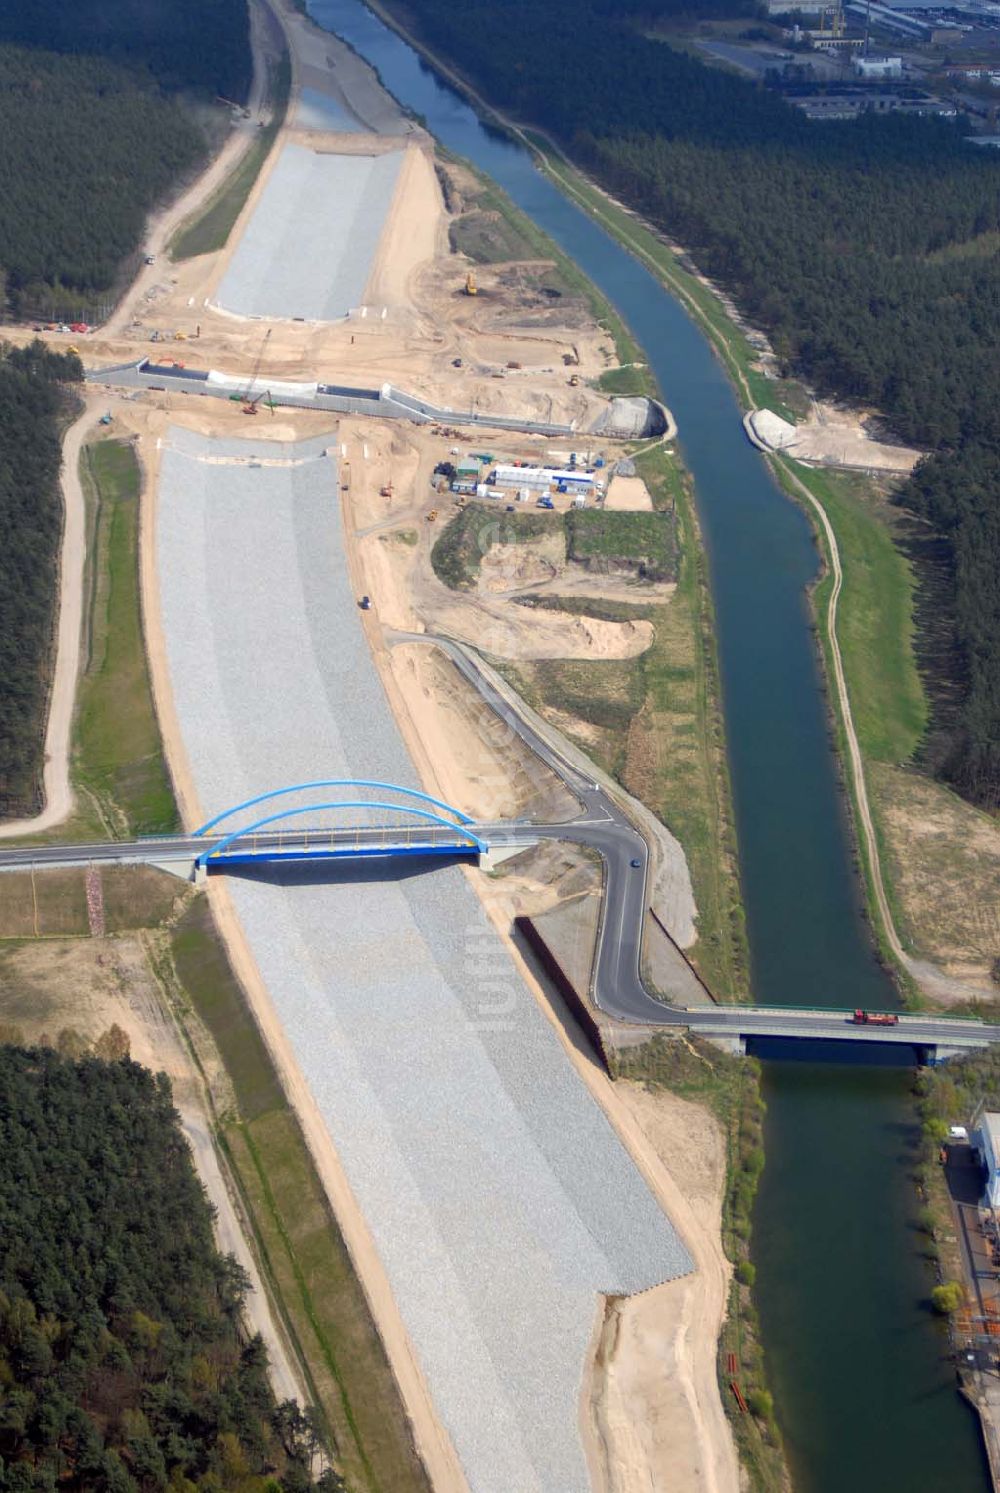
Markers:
{"x": 864, "y": 1397}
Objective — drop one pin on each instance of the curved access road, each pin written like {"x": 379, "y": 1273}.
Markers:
{"x": 617, "y": 987}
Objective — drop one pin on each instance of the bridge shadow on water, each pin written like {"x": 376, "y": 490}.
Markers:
{"x": 856, "y": 1054}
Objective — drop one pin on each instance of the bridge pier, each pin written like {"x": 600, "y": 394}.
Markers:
{"x": 184, "y": 870}
{"x": 736, "y": 1045}
{"x": 494, "y": 855}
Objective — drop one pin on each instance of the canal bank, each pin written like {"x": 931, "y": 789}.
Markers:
{"x": 863, "y": 1395}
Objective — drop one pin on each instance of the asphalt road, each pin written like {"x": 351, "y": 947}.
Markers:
{"x": 617, "y": 986}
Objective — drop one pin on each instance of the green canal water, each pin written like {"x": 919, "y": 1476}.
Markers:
{"x": 865, "y": 1399}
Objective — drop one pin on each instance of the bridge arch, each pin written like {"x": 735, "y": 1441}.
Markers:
{"x": 216, "y": 850}
{"x": 273, "y": 793}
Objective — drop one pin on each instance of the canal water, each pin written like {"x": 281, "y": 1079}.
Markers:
{"x": 864, "y": 1397}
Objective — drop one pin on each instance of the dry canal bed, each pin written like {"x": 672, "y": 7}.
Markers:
{"x": 310, "y": 244}
{"x": 501, "y": 1202}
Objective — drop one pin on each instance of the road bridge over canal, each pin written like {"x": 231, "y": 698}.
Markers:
{"x": 389, "y": 822}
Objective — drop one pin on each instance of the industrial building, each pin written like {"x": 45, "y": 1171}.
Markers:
{"x": 878, "y": 67}
{"x": 542, "y": 479}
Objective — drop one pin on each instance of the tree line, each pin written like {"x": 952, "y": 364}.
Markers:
{"x": 198, "y": 45}
{"x": 867, "y": 249}
{"x": 96, "y": 133}
{"x": 88, "y": 149}
{"x": 35, "y": 401}
{"x": 124, "y": 1367}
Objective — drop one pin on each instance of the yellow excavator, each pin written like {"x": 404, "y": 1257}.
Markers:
{"x": 471, "y": 288}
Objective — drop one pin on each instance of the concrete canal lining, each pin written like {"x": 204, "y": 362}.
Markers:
{"x": 501, "y": 1201}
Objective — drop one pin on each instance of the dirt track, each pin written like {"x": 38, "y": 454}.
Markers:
{"x": 58, "y": 791}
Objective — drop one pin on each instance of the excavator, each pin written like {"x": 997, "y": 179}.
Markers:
{"x": 471, "y": 288}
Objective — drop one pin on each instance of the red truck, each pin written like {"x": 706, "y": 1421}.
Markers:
{"x": 875, "y": 1018}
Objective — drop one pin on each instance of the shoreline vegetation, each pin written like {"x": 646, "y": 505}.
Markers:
{"x": 867, "y": 794}
{"x": 878, "y": 581}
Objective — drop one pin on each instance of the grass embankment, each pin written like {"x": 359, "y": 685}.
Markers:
{"x": 299, "y": 1243}
{"x": 653, "y": 722}
{"x": 465, "y": 539}
{"x": 730, "y": 1088}
{"x": 117, "y": 757}
{"x": 875, "y": 631}
{"x": 53, "y": 904}
{"x": 600, "y": 539}
{"x": 209, "y": 230}
{"x": 875, "y": 615}
{"x": 489, "y": 229}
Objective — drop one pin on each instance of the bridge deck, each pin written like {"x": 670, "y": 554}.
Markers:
{"x": 736, "y": 1024}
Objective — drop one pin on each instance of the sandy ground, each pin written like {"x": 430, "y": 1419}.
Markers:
{"x": 414, "y": 232}
{"x": 833, "y": 436}
{"x": 629, "y": 494}
{"x": 944, "y": 857}
{"x": 92, "y": 984}
{"x": 657, "y": 1410}
{"x": 57, "y": 789}
{"x": 395, "y": 538}
{"x": 467, "y": 753}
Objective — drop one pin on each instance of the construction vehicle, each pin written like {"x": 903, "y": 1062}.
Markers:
{"x": 365, "y": 603}
{"x": 250, "y": 405}
{"x": 105, "y": 419}
{"x": 874, "y": 1018}
{"x": 73, "y": 349}
{"x": 432, "y": 515}
{"x": 471, "y": 288}
{"x": 574, "y": 380}
{"x": 180, "y": 336}
{"x": 385, "y": 491}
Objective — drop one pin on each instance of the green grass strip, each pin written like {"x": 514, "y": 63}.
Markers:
{"x": 210, "y": 230}
{"x": 117, "y": 755}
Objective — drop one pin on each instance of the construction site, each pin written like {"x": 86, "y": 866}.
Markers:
{"x": 304, "y": 403}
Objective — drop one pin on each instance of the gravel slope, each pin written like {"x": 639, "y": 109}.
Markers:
{"x": 309, "y": 246}
{"x": 500, "y": 1199}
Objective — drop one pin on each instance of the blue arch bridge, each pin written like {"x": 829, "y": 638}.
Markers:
{"x": 368, "y": 818}
{"x": 364, "y": 819}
